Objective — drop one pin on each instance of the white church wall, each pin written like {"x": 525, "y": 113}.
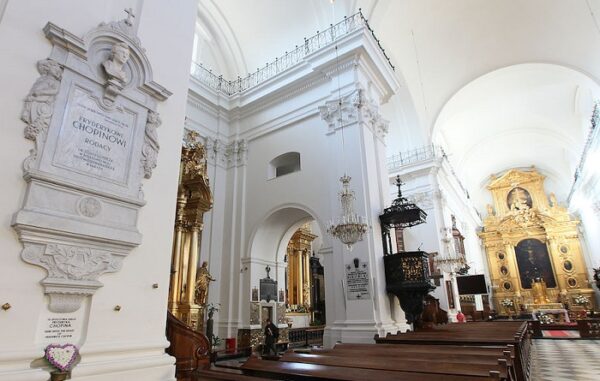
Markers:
{"x": 128, "y": 344}
{"x": 280, "y": 116}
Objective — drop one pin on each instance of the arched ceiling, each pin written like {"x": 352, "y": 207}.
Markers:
{"x": 522, "y": 115}
{"x": 440, "y": 47}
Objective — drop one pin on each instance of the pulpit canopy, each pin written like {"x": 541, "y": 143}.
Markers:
{"x": 402, "y": 213}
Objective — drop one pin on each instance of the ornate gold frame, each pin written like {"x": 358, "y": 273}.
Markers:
{"x": 508, "y": 224}
{"x": 194, "y": 198}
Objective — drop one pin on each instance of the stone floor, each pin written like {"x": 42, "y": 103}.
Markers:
{"x": 566, "y": 360}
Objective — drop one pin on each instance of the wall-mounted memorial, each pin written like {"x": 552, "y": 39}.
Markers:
{"x": 92, "y": 117}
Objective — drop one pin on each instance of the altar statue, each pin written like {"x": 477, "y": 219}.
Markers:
{"x": 203, "y": 278}
{"x": 539, "y": 291}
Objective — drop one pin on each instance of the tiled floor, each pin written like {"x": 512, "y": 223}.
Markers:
{"x": 566, "y": 360}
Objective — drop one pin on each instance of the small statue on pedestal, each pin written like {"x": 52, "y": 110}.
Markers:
{"x": 203, "y": 278}
{"x": 539, "y": 291}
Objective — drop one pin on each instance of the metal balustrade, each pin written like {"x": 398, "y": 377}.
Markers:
{"x": 431, "y": 151}
{"x": 287, "y": 60}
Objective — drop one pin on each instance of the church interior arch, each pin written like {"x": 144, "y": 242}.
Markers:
{"x": 532, "y": 114}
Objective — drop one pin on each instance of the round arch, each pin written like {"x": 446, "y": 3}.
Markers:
{"x": 517, "y": 116}
{"x": 271, "y": 236}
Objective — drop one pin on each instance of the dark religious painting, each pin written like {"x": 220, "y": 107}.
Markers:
{"x": 534, "y": 262}
{"x": 518, "y": 198}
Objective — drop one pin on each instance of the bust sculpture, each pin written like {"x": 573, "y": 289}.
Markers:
{"x": 113, "y": 66}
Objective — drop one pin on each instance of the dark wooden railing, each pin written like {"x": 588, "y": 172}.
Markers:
{"x": 589, "y": 328}
{"x": 190, "y": 348}
{"x": 303, "y": 337}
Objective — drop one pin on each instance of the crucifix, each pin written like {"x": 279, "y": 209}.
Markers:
{"x": 130, "y": 16}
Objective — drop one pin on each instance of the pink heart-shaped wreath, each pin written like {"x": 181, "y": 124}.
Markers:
{"x": 61, "y": 356}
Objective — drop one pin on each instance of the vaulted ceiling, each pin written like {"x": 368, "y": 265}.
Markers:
{"x": 450, "y": 55}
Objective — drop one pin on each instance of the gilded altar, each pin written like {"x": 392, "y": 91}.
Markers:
{"x": 532, "y": 245}
{"x": 188, "y": 287}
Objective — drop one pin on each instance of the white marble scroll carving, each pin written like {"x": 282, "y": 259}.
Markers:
{"x": 92, "y": 115}
{"x": 352, "y": 108}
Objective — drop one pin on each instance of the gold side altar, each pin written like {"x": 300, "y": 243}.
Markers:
{"x": 194, "y": 198}
{"x": 532, "y": 246}
{"x": 298, "y": 257}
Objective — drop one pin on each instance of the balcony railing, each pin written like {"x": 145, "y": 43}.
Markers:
{"x": 401, "y": 159}
{"x": 414, "y": 156}
{"x": 286, "y": 61}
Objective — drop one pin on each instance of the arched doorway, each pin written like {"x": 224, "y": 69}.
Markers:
{"x": 280, "y": 256}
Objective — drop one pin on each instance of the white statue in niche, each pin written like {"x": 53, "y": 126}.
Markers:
{"x": 114, "y": 65}
{"x": 151, "y": 146}
{"x": 39, "y": 104}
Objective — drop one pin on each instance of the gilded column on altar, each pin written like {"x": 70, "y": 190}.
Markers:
{"x": 194, "y": 198}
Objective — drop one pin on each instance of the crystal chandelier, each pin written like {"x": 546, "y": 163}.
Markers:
{"x": 349, "y": 227}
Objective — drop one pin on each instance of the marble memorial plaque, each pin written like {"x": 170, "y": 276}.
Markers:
{"x": 92, "y": 117}
{"x": 55, "y": 328}
{"x": 357, "y": 280}
{"x": 95, "y": 141}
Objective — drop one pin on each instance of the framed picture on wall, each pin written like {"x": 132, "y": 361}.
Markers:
{"x": 450, "y": 294}
{"x": 433, "y": 271}
{"x": 255, "y": 294}
{"x": 281, "y": 296}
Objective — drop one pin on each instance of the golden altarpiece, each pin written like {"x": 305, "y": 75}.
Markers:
{"x": 188, "y": 286}
{"x": 298, "y": 271}
{"x": 532, "y": 245}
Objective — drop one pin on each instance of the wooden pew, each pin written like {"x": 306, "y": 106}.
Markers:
{"x": 428, "y": 357}
{"x": 391, "y": 348}
{"x": 221, "y": 374}
{"x": 315, "y": 372}
{"x": 468, "y": 367}
{"x": 190, "y": 348}
{"x": 514, "y": 335}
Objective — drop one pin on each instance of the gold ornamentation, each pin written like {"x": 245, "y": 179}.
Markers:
{"x": 298, "y": 255}
{"x": 203, "y": 279}
{"x": 522, "y": 213}
{"x": 189, "y": 285}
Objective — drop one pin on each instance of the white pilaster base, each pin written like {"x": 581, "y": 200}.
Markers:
{"x": 149, "y": 367}
{"x": 358, "y": 332}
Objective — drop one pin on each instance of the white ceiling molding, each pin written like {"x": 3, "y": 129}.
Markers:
{"x": 212, "y": 19}
{"x": 517, "y": 116}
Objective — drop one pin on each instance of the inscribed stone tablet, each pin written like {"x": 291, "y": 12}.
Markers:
{"x": 95, "y": 141}
{"x": 357, "y": 280}
{"x": 55, "y": 328}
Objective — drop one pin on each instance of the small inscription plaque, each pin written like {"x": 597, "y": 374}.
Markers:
{"x": 60, "y": 328}
{"x": 56, "y": 328}
{"x": 93, "y": 140}
{"x": 357, "y": 280}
